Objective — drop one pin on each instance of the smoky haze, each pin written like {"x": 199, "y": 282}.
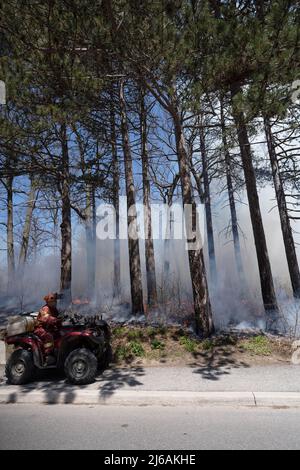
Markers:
{"x": 232, "y": 303}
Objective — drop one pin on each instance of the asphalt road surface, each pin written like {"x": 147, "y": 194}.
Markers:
{"x": 273, "y": 378}
{"x": 161, "y": 428}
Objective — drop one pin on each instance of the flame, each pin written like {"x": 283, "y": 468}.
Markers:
{"x": 81, "y": 302}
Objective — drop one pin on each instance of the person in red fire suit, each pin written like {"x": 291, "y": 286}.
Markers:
{"x": 47, "y": 325}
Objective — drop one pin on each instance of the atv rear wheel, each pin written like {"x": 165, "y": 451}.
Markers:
{"x": 20, "y": 368}
{"x": 81, "y": 366}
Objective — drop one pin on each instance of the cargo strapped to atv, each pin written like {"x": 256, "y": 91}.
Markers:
{"x": 18, "y": 325}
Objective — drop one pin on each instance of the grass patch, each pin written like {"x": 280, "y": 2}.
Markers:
{"x": 207, "y": 345}
{"x": 137, "y": 349}
{"x": 162, "y": 330}
{"x": 189, "y": 344}
{"x": 258, "y": 346}
{"x": 156, "y": 344}
{"x": 151, "y": 332}
{"x": 177, "y": 334}
{"x": 135, "y": 335}
{"x": 123, "y": 352}
{"x": 118, "y": 332}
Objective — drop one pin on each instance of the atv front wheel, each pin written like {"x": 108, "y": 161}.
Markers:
{"x": 20, "y": 368}
{"x": 81, "y": 367}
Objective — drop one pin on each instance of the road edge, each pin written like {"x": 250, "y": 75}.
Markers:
{"x": 13, "y": 395}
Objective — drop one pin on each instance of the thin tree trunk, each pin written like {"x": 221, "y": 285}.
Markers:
{"x": 32, "y": 197}
{"x": 266, "y": 278}
{"x": 10, "y": 236}
{"x": 168, "y": 235}
{"x": 94, "y": 228}
{"x": 286, "y": 228}
{"x": 66, "y": 225}
{"x": 202, "y": 305}
{"x": 90, "y": 241}
{"x": 116, "y": 195}
{"x": 89, "y": 218}
{"x": 149, "y": 246}
{"x": 167, "y": 247}
{"x": 233, "y": 212}
{"x": 208, "y": 211}
{"x": 133, "y": 241}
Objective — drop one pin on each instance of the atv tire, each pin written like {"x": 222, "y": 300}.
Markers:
{"x": 20, "y": 367}
{"x": 81, "y": 367}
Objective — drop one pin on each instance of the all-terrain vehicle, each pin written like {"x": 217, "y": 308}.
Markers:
{"x": 82, "y": 347}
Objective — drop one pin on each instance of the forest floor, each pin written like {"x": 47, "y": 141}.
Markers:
{"x": 175, "y": 346}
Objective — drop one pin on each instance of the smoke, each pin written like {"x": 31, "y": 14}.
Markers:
{"x": 232, "y": 303}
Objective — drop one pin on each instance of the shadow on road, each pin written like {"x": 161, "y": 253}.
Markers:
{"x": 115, "y": 379}
{"x": 56, "y": 388}
{"x": 216, "y": 363}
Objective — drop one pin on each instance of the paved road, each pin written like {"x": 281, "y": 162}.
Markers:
{"x": 125, "y": 428}
{"x": 275, "y": 378}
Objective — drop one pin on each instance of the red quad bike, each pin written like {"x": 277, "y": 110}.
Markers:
{"x": 81, "y": 347}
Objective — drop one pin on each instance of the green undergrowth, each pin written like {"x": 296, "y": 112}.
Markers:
{"x": 161, "y": 343}
{"x": 258, "y": 346}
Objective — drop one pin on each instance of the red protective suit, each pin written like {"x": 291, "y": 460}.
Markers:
{"x": 47, "y": 325}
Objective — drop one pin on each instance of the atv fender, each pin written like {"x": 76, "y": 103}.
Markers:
{"x": 28, "y": 344}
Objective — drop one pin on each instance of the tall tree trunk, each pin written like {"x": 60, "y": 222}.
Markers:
{"x": 208, "y": 211}
{"x": 286, "y": 228}
{"x": 10, "y": 236}
{"x": 66, "y": 225}
{"x": 266, "y": 278}
{"x": 233, "y": 212}
{"x": 133, "y": 241}
{"x": 32, "y": 197}
{"x": 167, "y": 248}
{"x": 116, "y": 204}
{"x": 168, "y": 234}
{"x": 149, "y": 246}
{"x": 202, "y": 305}
{"x": 90, "y": 241}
